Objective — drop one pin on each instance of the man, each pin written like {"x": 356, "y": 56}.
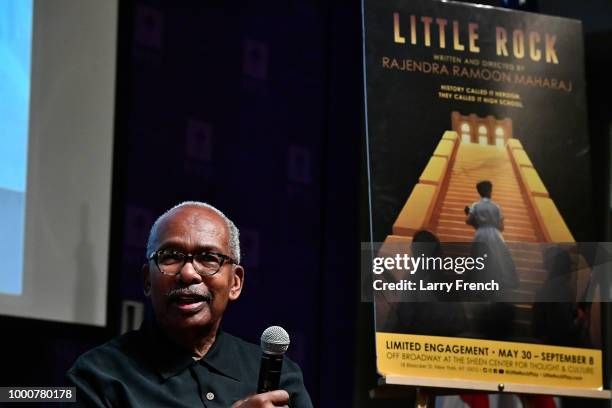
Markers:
{"x": 181, "y": 357}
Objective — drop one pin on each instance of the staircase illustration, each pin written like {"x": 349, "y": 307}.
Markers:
{"x": 483, "y": 149}
{"x": 475, "y": 163}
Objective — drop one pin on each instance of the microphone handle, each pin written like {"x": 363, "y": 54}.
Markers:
{"x": 269, "y": 372}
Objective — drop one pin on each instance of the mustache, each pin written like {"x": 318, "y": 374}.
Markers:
{"x": 175, "y": 294}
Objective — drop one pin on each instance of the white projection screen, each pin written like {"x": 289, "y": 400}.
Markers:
{"x": 57, "y": 86}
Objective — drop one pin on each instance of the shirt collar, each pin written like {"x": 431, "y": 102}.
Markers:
{"x": 221, "y": 356}
{"x": 169, "y": 359}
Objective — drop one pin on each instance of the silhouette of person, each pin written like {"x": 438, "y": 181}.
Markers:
{"x": 424, "y": 312}
{"x": 557, "y": 318}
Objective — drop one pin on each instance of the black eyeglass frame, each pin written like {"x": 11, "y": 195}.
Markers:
{"x": 189, "y": 258}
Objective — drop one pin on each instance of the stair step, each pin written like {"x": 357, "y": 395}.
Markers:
{"x": 469, "y": 233}
{"x": 470, "y": 181}
{"x": 499, "y": 200}
{"x": 507, "y": 227}
{"x": 506, "y": 207}
{"x": 471, "y": 189}
{"x": 460, "y": 216}
{"x": 469, "y": 185}
{"x": 452, "y": 238}
{"x": 455, "y": 205}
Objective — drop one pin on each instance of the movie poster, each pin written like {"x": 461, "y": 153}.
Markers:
{"x": 479, "y": 195}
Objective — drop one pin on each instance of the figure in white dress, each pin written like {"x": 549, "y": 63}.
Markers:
{"x": 487, "y": 218}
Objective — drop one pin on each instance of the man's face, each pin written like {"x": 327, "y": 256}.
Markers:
{"x": 188, "y": 300}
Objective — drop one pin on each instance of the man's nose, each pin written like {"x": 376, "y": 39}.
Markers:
{"x": 189, "y": 275}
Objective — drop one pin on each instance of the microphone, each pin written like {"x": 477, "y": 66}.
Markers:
{"x": 274, "y": 344}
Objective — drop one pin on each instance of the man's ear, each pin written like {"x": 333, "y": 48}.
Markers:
{"x": 146, "y": 276}
{"x": 236, "y": 283}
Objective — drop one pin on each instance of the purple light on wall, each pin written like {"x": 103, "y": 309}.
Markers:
{"x": 138, "y": 221}
{"x": 249, "y": 241}
{"x": 199, "y": 140}
{"x": 255, "y": 59}
{"x": 148, "y": 27}
{"x": 299, "y": 164}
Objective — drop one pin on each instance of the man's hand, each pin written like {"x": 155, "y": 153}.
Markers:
{"x": 271, "y": 399}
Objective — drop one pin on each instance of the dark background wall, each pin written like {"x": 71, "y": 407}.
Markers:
{"x": 256, "y": 108}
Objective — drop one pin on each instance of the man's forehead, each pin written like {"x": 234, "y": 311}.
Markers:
{"x": 199, "y": 222}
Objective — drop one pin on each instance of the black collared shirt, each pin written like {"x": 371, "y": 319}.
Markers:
{"x": 144, "y": 369}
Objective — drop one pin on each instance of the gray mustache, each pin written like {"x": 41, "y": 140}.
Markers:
{"x": 176, "y": 293}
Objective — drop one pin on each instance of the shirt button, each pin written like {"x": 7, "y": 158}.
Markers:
{"x": 210, "y": 396}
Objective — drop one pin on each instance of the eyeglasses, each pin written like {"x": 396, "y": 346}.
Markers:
{"x": 205, "y": 264}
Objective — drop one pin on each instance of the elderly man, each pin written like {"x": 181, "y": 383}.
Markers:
{"x": 182, "y": 357}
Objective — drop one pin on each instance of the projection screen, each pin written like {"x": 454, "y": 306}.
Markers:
{"x": 57, "y": 85}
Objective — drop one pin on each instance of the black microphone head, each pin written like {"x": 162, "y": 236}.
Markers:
{"x": 274, "y": 340}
